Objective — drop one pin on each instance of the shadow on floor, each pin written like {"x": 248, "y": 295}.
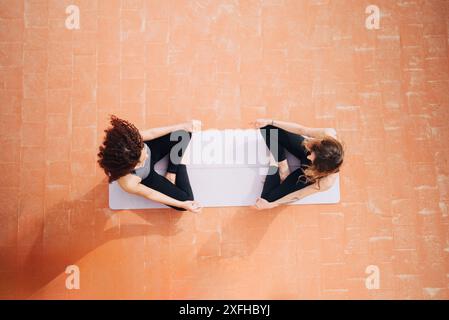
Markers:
{"x": 75, "y": 231}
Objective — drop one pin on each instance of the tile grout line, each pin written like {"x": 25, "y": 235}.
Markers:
{"x": 72, "y": 89}
{"x": 21, "y": 137}
{"x": 144, "y": 112}
{"x": 46, "y": 136}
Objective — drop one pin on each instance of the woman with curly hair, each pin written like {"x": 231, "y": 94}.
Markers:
{"x": 319, "y": 151}
{"x": 129, "y": 156}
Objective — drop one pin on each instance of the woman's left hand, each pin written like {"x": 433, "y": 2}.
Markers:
{"x": 193, "y": 125}
{"x": 262, "y": 204}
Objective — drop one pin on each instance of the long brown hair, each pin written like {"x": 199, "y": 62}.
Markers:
{"x": 121, "y": 148}
{"x": 329, "y": 154}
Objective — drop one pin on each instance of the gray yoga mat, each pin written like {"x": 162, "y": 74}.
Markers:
{"x": 219, "y": 183}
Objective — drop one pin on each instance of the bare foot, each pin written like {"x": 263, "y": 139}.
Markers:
{"x": 284, "y": 170}
{"x": 193, "y": 125}
{"x": 273, "y": 162}
{"x": 171, "y": 177}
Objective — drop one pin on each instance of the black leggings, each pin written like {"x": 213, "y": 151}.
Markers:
{"x": 273, "y": 189}
{"x": 159, "y": 148}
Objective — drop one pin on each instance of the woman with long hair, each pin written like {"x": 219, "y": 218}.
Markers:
{"x": 319, "y": 151}
{"x": 128, "y": 156}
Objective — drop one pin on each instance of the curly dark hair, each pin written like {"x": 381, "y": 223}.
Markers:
{"x": 121, "y": 149}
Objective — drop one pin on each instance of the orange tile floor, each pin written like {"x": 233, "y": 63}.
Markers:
{"x": 226, "y": 62}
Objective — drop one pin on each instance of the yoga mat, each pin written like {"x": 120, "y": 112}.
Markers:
{"x": 220, "y": 182}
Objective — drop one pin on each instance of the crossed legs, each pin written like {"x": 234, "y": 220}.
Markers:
{"x": 276, "y": 186}
{"x": 176, "y": 184}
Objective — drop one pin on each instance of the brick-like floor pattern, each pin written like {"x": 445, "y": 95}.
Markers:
{"x": 226, "y": 62}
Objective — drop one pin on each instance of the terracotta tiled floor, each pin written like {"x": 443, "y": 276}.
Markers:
{"x": 225, "y": 62}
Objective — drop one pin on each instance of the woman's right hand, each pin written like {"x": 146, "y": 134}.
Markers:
{"x": 192, "y": 206}
{"x": 260, "y": 123}
{"x": 262, "y": 204}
